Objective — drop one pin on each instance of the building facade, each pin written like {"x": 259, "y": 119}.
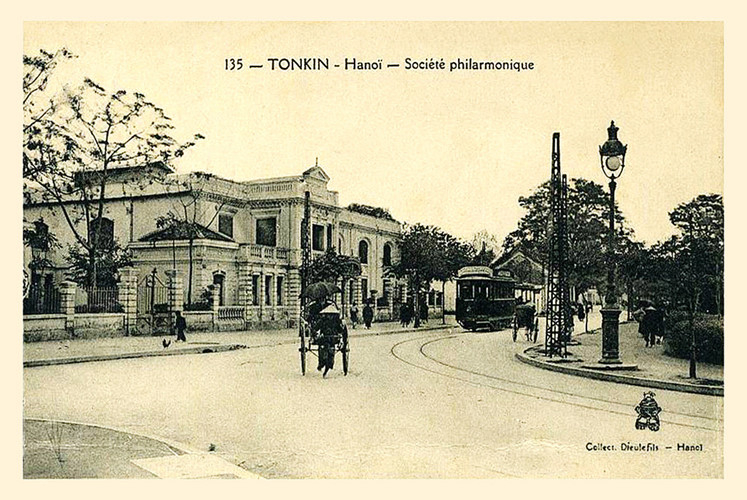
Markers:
{"x": 237, "y": 243}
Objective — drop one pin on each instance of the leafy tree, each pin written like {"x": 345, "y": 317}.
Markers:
{"x": 690, "y": 265}
{"x": 427, "y": 253}
{"x": 38, "y": 107}
{"x": 701, "y": 225}
{"x": 332, "y": 266}
{"x": 381, "y": 213}
{"x": 72, "y": 150}
{"x": 41, "y": 238}
{"x": 112, "y": 258}
{"x": 588, "y": 230}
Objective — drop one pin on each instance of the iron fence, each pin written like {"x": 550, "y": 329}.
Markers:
{"x": 42, "y": 300}
{"x": 97, "y": 300}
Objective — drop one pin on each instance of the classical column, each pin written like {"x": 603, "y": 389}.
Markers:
{"x": 245, "y": 290}
{"x": 293, "y": 301}
{"x": 356, "y": 284}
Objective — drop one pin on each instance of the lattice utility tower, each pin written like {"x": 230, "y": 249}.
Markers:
{"x": 305, "y": 244}
{"x": 558, "y": 311}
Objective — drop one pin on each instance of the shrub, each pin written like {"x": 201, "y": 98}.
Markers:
{"x": 709, "y": 335}
{"x": 198, "y": 306}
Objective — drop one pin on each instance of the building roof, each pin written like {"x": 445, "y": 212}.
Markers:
{"x": 181, "y": 231}
{"x": 507, "y": 256}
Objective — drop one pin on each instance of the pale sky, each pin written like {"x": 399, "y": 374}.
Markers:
{"x": 454, "y": 149}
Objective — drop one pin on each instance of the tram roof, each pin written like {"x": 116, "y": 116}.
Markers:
{"x": 486, "y": 278}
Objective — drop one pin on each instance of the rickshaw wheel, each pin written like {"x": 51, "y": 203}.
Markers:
{"x": 302, "y": 350}
{"x": 345, "y": 350}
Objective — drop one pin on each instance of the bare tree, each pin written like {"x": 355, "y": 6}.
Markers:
{"x": 74, "y": 149}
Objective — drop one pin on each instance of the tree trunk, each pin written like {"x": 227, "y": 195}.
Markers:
{"x": 191, "y": 267}
{"x": 416, "y": 308}
{"x": 443, "y": 302}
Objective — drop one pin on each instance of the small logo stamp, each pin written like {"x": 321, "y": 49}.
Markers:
{"x": 648, "y": 413}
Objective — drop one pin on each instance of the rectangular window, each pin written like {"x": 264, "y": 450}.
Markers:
{"x": 329, "y": 235}
{"x": 266, "y": 232}
{"x": 364, "y": 289}
{"x": 255, "y": 290}
{"x": 225, "y": 224}
{"x": 317, "y": 237}
{"x": 279, "y": 283}
{"x": 466, "y": 291}
{"x": 268, "y": 290}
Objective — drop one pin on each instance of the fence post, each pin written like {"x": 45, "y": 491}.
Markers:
{"x": 67, "y": 305}
{"x": 127, "y": 297}
{"x": 175, "y": 295}
{"x": 176, "y": 290}
{"x": 214, "y": 303}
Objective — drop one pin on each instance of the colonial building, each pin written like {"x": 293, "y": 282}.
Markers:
{"x": 237, "y": 243}
{"x": 529, "y": 273}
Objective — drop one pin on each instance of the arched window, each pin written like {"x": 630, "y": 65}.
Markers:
{"x": 106, "y": 234}
{"x": 363, "y": 251}
{"x": 387, "y": 254}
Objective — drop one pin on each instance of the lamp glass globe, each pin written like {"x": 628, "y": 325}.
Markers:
{"x": 613, "y": 163}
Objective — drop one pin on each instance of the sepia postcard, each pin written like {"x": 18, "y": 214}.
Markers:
{"x": 373, "y": 250}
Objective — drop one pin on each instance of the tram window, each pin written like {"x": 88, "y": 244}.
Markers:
{"x": 466, "y": 291}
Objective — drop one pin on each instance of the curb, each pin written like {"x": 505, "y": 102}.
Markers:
{"x": 709, "y": 390}
{"x": 402, "y": 330}
{"x": 207, "y": 348}
{"x": 129, "y": 355}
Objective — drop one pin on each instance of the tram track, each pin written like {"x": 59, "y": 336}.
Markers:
{"x": 530, "y": 390}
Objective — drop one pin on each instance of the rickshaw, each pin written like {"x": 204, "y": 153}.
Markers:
{"x": 319, "y": 332}
{"x": 525, "y": 317}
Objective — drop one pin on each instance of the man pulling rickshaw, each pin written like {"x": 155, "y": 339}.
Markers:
{"x": 322, "y": 331}
{"x": 525, "y": 318}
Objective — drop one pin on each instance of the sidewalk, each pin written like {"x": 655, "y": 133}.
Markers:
{"x": 655, "y": 369}
{"x": 67, "y": 450}
{"x": 103, "y": 349}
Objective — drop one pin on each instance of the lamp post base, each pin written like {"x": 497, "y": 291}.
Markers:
{"x": 611, "y": 335}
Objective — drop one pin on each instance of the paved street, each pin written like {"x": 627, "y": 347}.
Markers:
{"x": 438, "y": 404}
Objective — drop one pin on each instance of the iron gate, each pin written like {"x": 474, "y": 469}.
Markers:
{"x": 153, "y": 312}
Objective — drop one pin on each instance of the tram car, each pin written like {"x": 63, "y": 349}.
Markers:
{"x": 484, "y": 299}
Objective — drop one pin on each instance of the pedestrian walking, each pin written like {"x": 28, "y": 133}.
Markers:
{"x": 403, "y": 321}
{"x": 354, "y": 315}
{"x": 424, "y": 312}
{"x": 181, "y": 325}
{"x": 650, "y": 325}
{"x": 368, "y": 315}
{"x": 661, "y": 322}
{"x": 638, "y": 315}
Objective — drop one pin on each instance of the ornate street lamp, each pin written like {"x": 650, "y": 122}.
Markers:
{"x": 612, "y": 159}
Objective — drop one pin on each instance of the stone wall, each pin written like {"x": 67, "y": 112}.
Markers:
{"x": 40, "y": 327}
{"x": 199, "y": 321}
{"x": 99, "y": 325}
